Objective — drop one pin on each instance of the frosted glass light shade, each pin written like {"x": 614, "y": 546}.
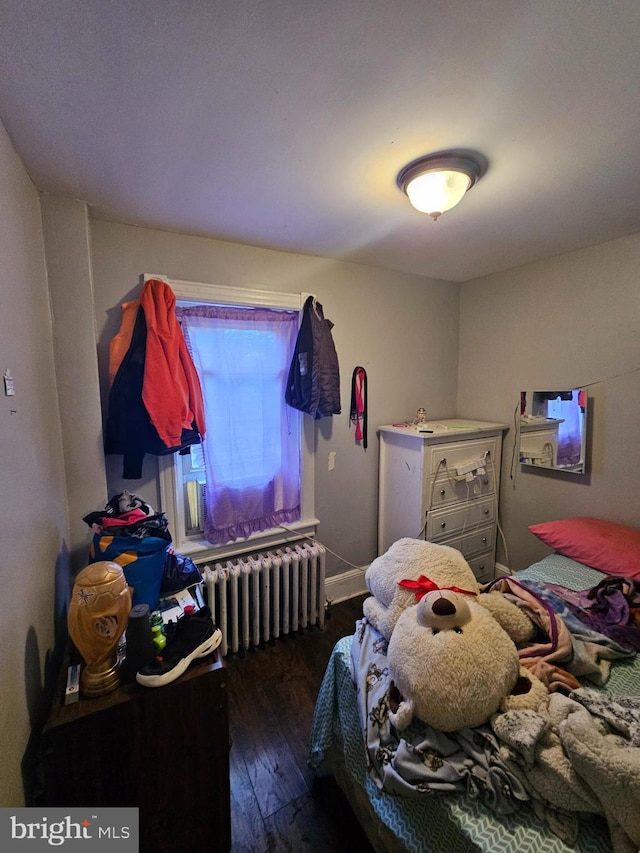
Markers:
{"x": 435, "y": 192}
{"x": 438, "y": 182}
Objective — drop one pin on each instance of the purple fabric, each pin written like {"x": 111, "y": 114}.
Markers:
{"x": 609, "y": 607}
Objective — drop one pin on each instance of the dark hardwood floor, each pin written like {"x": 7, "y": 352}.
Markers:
{"x": 277, "y": 802}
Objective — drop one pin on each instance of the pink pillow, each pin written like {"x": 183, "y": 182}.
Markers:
{"x": 611, "y": 548}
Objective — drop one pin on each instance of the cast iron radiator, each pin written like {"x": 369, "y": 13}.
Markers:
{"x": 258, "y": 597}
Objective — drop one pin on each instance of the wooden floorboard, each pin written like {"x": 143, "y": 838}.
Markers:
{"x": 278, "y": 804}
{"x": 258, "y": 735}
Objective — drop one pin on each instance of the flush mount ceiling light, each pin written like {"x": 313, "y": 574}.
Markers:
{"x": 438, "y": 182}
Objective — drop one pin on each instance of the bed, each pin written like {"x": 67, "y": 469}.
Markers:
{"x": 431, "y": 822}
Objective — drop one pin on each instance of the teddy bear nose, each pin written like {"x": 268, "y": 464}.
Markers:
{"x": 443, "y": 607}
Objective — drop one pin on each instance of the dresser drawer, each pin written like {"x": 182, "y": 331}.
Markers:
{"x": 461, "y": 519}
{"x": 443, "y": 458}
{"x": 481, "y": 540}
{"x": 483, "y": 567}
{"x": 473, "y": 544}
{"x": 446, "y": 491}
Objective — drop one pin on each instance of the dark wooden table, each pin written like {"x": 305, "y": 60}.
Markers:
{"x": 164, "y": 750}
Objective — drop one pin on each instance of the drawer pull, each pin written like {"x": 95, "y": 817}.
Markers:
{"x": 442, "y": 492}
{"x": 486, "y": 482}
{"x": 484, "y": 538}
{"x": 443, "y": 524}
{"x": 486, "y": 512}
{"x": 481, "y": 567}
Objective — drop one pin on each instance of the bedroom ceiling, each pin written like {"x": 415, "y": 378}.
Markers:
{"x": 284, "y": 123}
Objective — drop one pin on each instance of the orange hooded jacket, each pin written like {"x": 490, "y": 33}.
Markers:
{"x": 171, "y": 390}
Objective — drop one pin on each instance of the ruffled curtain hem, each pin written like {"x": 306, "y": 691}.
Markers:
{"x": 242, "y": 530}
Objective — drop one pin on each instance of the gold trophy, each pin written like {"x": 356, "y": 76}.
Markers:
{"x": 97, "y": 618}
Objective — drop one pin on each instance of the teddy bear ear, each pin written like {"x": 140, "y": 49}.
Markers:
{"x": 395, "y": 697}
{"x": 528, "y": 693}
{"x": 522, "y": 685}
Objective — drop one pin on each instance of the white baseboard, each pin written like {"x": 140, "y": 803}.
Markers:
{"x": 351, "y": 583}
{"x": 345, "y": 585}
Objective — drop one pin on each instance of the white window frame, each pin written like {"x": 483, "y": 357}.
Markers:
{"x": 171, "y": 487}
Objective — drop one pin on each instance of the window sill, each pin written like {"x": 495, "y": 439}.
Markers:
{"x": 201, "y": 551}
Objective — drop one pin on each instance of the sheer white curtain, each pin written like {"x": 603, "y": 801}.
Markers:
{"x": 251, "y": 447}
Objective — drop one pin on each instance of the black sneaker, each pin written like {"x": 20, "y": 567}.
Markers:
{"x": 195, "y": 635}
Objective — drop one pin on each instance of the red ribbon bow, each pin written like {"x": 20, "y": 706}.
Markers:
{"x": 424, "y": 585}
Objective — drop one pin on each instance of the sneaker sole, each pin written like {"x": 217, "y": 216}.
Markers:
{"x": 201, "y": 651}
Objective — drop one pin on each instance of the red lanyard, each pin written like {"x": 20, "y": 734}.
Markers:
{"x": 359, "y": 404}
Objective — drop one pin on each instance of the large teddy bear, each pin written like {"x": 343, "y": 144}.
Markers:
{"x": 452, "y": 656}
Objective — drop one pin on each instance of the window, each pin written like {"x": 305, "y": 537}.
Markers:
{"x": 254, "y": 458}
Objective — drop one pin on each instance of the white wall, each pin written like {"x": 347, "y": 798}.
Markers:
{"x": 402, "y": 329}
{"x": 570, "y": 321}
{"x": 67, "y": 249}
{"x": 33, "y": 517}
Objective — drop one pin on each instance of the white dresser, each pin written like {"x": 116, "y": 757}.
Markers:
{"x": 539, "y": 442}
{"x": 442, "y": 485}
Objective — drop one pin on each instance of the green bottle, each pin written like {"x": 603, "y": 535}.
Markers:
{"x": 159, "y": 639}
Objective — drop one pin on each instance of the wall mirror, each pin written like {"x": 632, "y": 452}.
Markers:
{"x": 553, "y": 429}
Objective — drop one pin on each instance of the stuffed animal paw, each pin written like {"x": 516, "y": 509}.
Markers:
{"x": 403, "y": 716}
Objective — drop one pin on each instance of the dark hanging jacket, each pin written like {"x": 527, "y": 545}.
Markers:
{"x": 313, "y": 385}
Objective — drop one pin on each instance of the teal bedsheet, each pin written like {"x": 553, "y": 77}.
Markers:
{"x": 456, "y": 823}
